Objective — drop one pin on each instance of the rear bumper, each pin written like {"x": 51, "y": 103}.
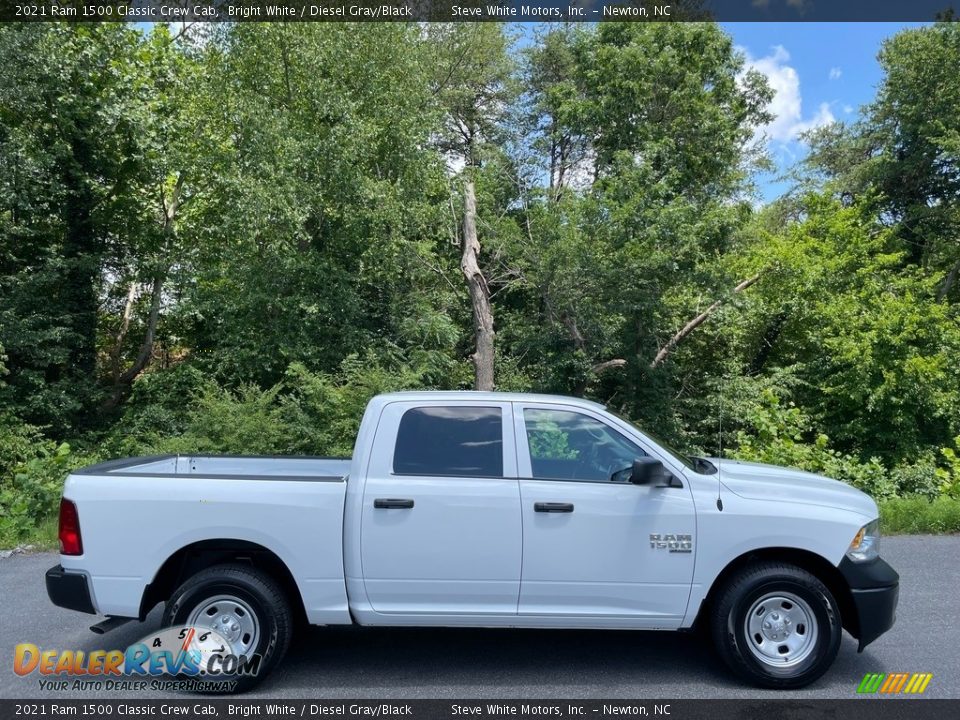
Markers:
{"x": 875, "y": 588}
{"x": 69, "y": 590}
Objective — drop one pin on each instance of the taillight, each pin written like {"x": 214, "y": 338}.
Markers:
{"x": 70, "y": 541}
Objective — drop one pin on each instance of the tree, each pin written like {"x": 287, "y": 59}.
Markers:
{"x": 919, "y": 162}
{"x": 656, "y": 122}
{"x": 849, "y": 333}
{"x": 72, "y": 161}
{"x": 323, "y": 226}
{"x": 905, "y": 152}
{"x": 182, "y": 155}
{"x": 553, "y": 104}
{"x": 474, "y": 88}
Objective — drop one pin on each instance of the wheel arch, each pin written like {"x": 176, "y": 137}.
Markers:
{"x": 815, "y": 564}
{"x": 190, "y": 559}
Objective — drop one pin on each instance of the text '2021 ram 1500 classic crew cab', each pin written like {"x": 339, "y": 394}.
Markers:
{"x": 489, "y": 510}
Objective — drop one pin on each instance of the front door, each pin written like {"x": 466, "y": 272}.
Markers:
{"x": 587, "y": 545}
{"x": 441, "y": 530}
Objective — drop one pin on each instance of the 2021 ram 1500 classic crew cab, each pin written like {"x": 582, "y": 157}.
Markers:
{"x": 491, "y": 510}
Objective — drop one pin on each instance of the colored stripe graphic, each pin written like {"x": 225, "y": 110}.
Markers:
{"x": 871, "y": 682}
{"x": 915, "y": 681}
{"x": 895, "y": 683}
{"x": 923, "y": 679}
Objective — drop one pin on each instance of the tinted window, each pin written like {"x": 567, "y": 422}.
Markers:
{"x": 450, "y": 441}
{"x": 567, "y": 445}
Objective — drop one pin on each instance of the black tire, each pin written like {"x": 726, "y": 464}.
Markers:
{"x": 259, "y": 592}
{"x": 737, "y": 597}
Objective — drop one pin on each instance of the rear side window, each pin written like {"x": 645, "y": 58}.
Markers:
{"x": 464, "y": 441}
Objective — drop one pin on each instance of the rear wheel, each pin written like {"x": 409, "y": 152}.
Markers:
{"x": 245, "y": 607}
{"x": 776, "y": 625}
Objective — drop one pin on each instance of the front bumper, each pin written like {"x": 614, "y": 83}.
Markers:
{"x": 875, "y": 588}
{"x": 69, "y": 590}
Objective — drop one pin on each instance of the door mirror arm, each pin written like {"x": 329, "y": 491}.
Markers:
{"x": 650, "y": 471}
{"x": 671, "y": 482}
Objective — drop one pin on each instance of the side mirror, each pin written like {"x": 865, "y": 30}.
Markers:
{"x": 647, "y": 471}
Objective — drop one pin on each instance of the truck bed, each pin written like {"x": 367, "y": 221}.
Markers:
{"x": 137, "y": 514}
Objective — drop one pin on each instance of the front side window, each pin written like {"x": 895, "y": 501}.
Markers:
{"x": 567, "y": 445}
{"x": 459, "y": 441}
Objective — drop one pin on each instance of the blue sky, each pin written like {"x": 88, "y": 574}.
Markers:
{"x": 820, "y": 71}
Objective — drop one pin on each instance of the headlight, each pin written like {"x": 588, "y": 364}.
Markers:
{"x": 866, "y": 543}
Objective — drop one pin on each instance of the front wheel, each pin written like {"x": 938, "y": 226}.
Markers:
{"x": 776, "y": 625}
{"x": 246, "y": 608}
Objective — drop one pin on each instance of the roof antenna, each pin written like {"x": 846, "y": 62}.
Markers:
{"x": 720, "y": 443}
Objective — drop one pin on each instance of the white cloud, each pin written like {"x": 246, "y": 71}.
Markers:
{"x": 835, "y": 73}
{"x": 822, "y": 117}
{"x": 787, "y": 107}
{"x": 848, "y": 109}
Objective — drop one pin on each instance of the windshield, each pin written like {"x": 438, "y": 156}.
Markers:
{"x": 697, "y": 464}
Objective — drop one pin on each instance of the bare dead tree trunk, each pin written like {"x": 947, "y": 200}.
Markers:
{"x": 553, "y": 161}
{"x": 479, "y": 292}
{"x": 561, "y": 171}
{"x": 146, "y": 347}
{"x": 570, "y": 323}
{"x": 121, "y": 334}
{"x": 948, "y": 282}
{"x": 695, "y": 323}
{"x": 169, "y": 209}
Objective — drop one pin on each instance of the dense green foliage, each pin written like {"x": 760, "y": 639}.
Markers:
{"x": 228, "y": 240}
{"x": 912, "y": 515}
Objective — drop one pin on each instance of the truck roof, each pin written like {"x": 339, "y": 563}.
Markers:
{"x": 414, "y": 395}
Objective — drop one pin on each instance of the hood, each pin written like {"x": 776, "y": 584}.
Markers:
{"x": 757, "y": 481}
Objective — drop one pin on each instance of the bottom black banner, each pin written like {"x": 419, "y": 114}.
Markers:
{"x": 199, "y": 707}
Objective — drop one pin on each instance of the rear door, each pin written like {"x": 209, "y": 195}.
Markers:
{"x": 589, "y": 535}
{"x": 440, "y": 525}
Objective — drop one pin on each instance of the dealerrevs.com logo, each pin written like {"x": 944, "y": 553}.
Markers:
{"x": 895, "y": 683}
{"x": 198, "y": 658}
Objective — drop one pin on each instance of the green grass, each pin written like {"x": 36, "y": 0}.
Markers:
{"x": 43, "y": 536}
{"x": 918, "y": 515}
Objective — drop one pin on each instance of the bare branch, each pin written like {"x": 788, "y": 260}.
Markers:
{"x": 608, "y": 365}
{"x": 597, "y": 369}
{"x": 121, "y": 333}
{"x": 146, "y": 347}
{"x": 696, "y": 322}
{"x": 948, "y": 282}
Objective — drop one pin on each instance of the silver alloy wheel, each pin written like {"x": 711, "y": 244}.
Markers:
{"x": 230, "y": 617}
{"x": 781, "y": 630}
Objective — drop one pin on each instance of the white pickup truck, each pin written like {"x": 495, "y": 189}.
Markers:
{"x": 487, "y": 510}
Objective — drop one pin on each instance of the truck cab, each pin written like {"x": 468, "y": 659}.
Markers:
{"x": 499, "y": 484}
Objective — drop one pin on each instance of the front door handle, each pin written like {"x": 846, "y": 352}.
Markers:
{"x": 392, "y": 503}
{"x": 553, "y": 507}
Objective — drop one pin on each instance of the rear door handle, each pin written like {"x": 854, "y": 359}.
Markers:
{"x": 553, "y": 507}
{"x": 392, "y": 503}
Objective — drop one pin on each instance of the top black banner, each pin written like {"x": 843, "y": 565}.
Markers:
{"x": 475, "y": 11}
